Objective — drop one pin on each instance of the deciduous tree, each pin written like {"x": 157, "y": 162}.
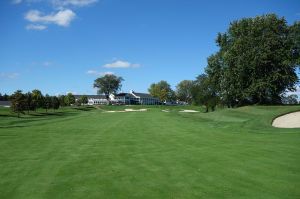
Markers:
{"x": 108, "y": 84}
{"x": 18, "y": 102}
{"x": 162, "y": 90}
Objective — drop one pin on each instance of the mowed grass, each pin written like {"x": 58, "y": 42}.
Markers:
{"x": 88, "y": 153}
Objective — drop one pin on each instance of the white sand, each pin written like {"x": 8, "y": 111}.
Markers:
{"x": 167, "y": 111}
{"x": 127, "y": 110}
{"x": 188, "y": 111}
{"x": 291, "y": 120}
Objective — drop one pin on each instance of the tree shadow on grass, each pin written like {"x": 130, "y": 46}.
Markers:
{"x": 13, "y": 121}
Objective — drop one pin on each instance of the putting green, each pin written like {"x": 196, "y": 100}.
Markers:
{"x": 86, "y": 153}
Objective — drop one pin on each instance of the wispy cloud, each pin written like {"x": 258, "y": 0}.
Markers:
{"x": 16, "y": 1}
{"x": 9, "y": 75}
{"x": 78, "y": 3}
{"x": 36, "y": 27}
{"x": 98, "y": 73}
{"x": 61, "y": 18}
{"x": 121, "y": 64}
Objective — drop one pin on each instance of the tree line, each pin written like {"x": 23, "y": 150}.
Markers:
{"x": 22, "y": 103}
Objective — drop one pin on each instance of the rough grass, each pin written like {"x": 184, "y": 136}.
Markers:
{"x": 86, "y": 153}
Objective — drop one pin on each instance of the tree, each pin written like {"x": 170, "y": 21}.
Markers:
{"x": 69, "y": 99}
{"x": 184, "y": 91}
{"x": 55, "y": 102}
{"x": 162, "y": 90}
{"x": 62, "y": 100}
{"x": 203, "y": 93}
{"x": 47, "y": 102}
{"x": 108, "y": 84}
{"x": 84, "y": 99}
{"x": 18, "y": 102}
{"x": 294, "y": 36}
{"x": 30, "y": 104}
{"x": 5, "y": 97}
{"x": 37, "y": 99}
{"x": 256, "y": 62}
{"x": 290, "y": 99}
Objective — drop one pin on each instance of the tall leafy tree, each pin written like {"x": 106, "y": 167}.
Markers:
{"x": 47, "y": 102}
{"x": 62, "y": 100}
{"x": 184, "y": 91}
{"x": 84, "y": 99}
{"x": 30, "y": 105}
{"x": 162, "y": 90}
{"x": 18, "y": 102}
{"x": 37, "y": 98}
{"x": 69, "y": 99}
{"x": 203, "y": 93}
{"x": 55, "y": 102}
{"x": 256, "y": 62}
{"x": 108, "y": 84}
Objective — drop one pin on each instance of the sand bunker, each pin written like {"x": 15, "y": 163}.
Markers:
{"x": 127, "y": 110}
{"x": 291, "y": 120}
{"x": 167, "y": 111}
{"x": 188, "y": 111}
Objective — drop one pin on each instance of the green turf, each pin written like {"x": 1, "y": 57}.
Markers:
{"x": 87, "y": 153}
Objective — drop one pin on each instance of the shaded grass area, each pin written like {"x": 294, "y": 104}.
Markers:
{"x": 231, "y": 153}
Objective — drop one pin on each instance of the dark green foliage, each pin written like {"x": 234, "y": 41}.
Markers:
{"x": 108, "y": 84}
{"x": 69, "y": 99}
{"x": 30, "y": 103}
{"x": 55, "y": 102}
{"x": 294, "y": 35}
{"x": 84, "y": 99}
{"x": 256, "y": 62}
{"x": 203, "y": 93}
{"x": 18, "y": 102}
{"x": 184, "y": 91}
{"x": 162, "y": 90}
{"x": 47, "y": 102}
{"x": 4, "y": 97}
{"x": 62, "y": 100}
{"x": 37, "y": 98}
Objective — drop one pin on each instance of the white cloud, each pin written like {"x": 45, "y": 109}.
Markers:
{"x": 16, "y": 1}
{"x": 36, "y": 27}
{"x": 78, "y": 3}
{"x": 121, "y": 64}
{"x": 9, "y": 75}
{"x": 97, "y": 73}
{"x": 61, "y": 18}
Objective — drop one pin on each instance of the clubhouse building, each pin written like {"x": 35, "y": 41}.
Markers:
{"x": 122, "y": 98}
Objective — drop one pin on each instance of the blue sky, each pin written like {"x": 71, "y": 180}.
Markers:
{"x": 61, "y": 46}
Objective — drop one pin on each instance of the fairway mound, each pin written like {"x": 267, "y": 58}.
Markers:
{"x": 189, "y": 111}
{"x": 290, "y": 120}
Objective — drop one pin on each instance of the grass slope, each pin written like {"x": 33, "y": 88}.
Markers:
{"x": 231, "y": 153}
